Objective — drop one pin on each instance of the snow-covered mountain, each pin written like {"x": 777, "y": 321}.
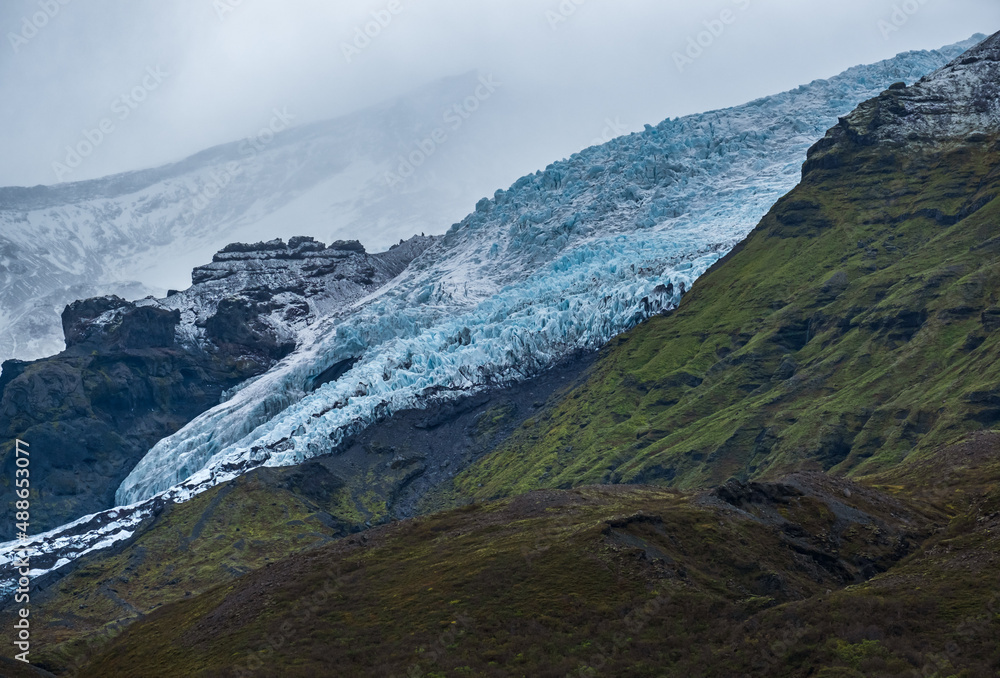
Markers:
{"x": 562, "y": 261}
{"x": 380, "y": 175}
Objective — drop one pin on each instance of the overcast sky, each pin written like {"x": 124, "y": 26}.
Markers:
{"x": 202, "y": 72}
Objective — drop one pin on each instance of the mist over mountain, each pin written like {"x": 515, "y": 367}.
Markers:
{"x": 408, "y": 166}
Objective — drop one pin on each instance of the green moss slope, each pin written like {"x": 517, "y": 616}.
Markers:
{"x": 855, "y": 328}
{"x": 217, "y": 537}
{"x": 812, "y": 576}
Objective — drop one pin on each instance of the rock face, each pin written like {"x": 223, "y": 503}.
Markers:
{"x": 89, "y": 418}
{"x": 133, "y": 327}
{"x": 134, "y": 373}
{"x": 960, "y": 103}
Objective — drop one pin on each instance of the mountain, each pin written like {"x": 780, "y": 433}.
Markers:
{"x": 622, "y": 579}
{"x": 887, "y": 247}
{"x": 809, "y": 576}
{"x": 136, "y": 372}
{"x": 854, "y": 331}
{"x": 559, "y": 264}
{"x": 140, "y": 233}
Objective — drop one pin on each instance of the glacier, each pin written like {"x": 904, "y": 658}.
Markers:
{"x": 562, "y": 261}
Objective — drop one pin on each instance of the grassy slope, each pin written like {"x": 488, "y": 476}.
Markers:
{"x": 627, "y": 579}
{"x": 853, "y": 329}
{"x": 266, "y": 516}
{"x": 218, "y": 536}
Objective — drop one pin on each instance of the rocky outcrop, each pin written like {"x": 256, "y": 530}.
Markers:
{"x": 131, "y": 327}
{"x": 136, "y": 372}
{"x": 89, "y": 417}
{"x": 957, "y": 105}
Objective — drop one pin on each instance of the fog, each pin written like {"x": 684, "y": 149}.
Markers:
{"x": 179, "y": 76}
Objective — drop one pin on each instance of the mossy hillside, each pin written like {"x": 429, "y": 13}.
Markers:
{"x": 628, "y": 579}
{"x": 856, "y": 326}
{"x": 220, "y": 535}
{"x": 935, "y": 614}
{"x": 269, "y": 514}
{"x": 189, "y": 548}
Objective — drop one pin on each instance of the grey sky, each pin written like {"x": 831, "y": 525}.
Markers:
{"x": 564, "y": 80}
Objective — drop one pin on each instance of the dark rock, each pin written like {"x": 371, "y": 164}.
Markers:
{"x": 146, "y": 327}
{"x": 900, "y": 326}
{"x": 792, "y": 336}
{"x": 836, "y": 284}
{"x": 11, "y": 370}
{"x": 131, "y": 328}
{"x": 786, "y": 370}
{"x": 305, "y": 244}
{"x": 800, "y": 218}
{"x": 742, "y": 495}
{"x": 440, "y": 414}
{"x": 236, "y": 328}
{"x": 991, "y": 319}
{"x": 655, "y": 474}
{"x": 347, "y": 246}
{"x": 78, "y": 316}
{"x": 271, "y": 246}
{"x": 90, "y": 416}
